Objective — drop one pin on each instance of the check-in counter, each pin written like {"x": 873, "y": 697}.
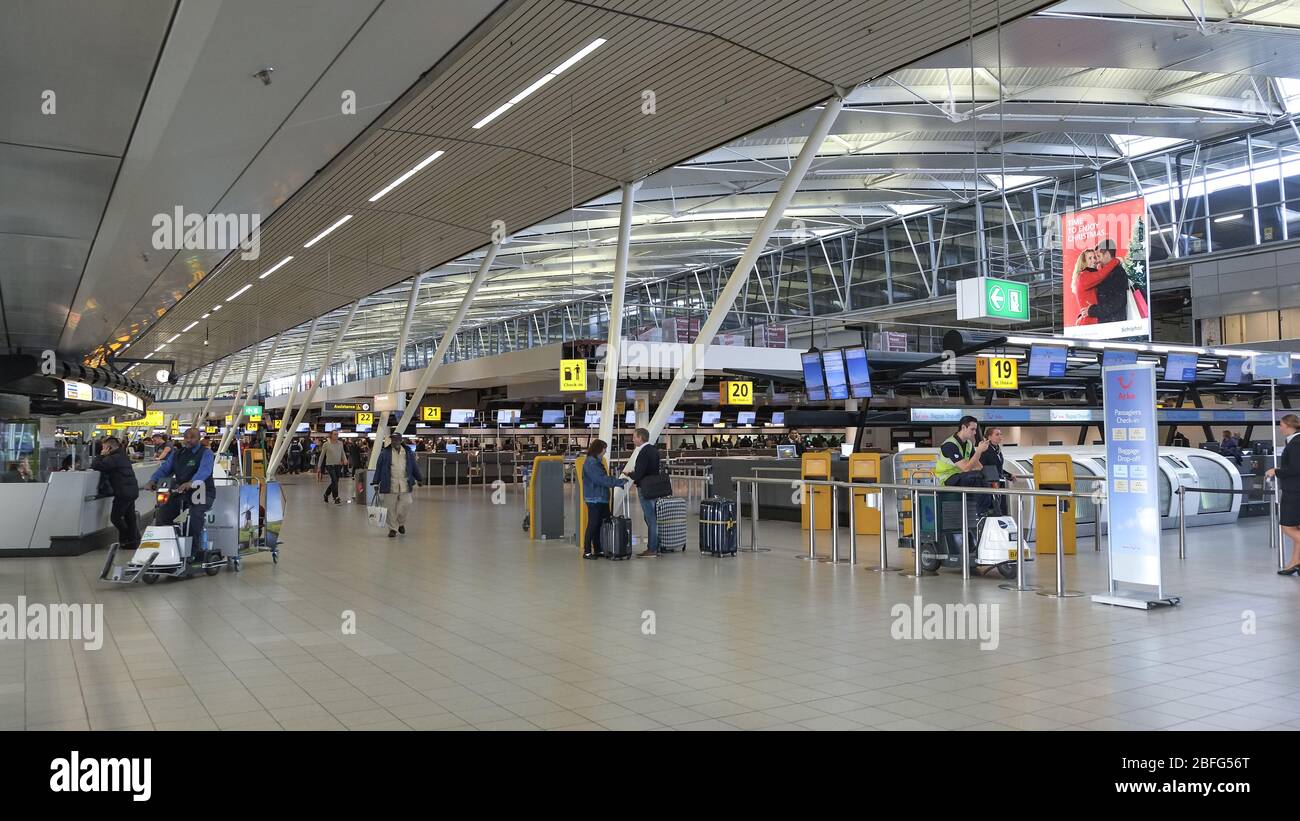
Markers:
{"x": 64, "y": 516}
{"x": 774, "y": 501}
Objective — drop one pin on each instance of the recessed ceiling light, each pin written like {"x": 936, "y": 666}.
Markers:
{"x": 240, "y": 291}
{"x": 323, "y": 234}
{"x": 557, "y": 71}
{"x": 415, "y": 170}
{"x": 275, "y": 267}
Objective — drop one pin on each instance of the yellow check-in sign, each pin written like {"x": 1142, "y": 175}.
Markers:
{"x": 998, "y": 373}
{"x": 737, "y": 392}
{"x": 365, "y": 418}
{"x": 573, "y": 374}
{"x": 428, "y": 414}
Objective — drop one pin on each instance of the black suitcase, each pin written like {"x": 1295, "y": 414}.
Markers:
{"x": 616, "y": 535}
{"x": 718, "y": 526}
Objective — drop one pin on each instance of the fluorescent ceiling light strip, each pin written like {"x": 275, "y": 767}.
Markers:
{"x": 1229, "y": 218}
{"x": 557, "y": 71}
{"x": 189, "y": 327}
{"x": 276, "y": 267}
{"x": 173, "y": 339}
{"x": 205, "y": 316}
{"x": 415, "y": 170}
{"x": 216, "y": 307}
{"x": 240, "y": 291}
{"x": 323, "y": 234}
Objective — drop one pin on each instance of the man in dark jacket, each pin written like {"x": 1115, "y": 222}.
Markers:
{"x": 396, "y": 473}
{"x": 114, "y": 465}
{"x": 645, "y": 463}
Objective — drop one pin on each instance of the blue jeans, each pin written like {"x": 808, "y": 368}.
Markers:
{"x": 648, "y": 510}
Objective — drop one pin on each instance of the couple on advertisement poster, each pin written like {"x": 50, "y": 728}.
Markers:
{"x": 1104, "y": 256}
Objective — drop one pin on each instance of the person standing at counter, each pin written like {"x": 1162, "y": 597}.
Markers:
{"x": 1287, "y": 474}
{"x": 796, "y": 439}
{"x": 114, "y": 465}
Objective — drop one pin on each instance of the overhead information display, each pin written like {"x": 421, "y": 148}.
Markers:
{"x": 1047, "y": 361}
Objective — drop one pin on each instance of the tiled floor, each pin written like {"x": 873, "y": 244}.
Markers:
{"x": 464, "y": 624}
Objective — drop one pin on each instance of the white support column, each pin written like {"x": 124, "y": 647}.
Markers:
{"x": 694, "y": 357}
{"x": 236, "y": 403}
{"x": 395, "y": 374}
{"x": 609, "y": 387}
{"x": 237, "y": 415}
{"x": 282, "y": 441}
{"x": 311, "y": 392}
{"x": 448, "y": 335}
{"x": 215, "y": 388}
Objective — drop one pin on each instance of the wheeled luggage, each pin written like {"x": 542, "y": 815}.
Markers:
{"x": 616, "y": 534}
{"x": 718, "y": 526}
{"x": 670, "y": 519}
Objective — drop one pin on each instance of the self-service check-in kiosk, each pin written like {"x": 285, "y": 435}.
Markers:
{"x": 816, "y": 466}
{"x": 546, "y": 498}
{"x": 1054, "y": 471}
{"x": 865, "y": 467}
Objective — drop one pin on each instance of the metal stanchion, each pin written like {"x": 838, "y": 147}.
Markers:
{"x": 753, "y": 515}
{"x": 965, "y": 536}
{"x": 1098, "y": 508}
{"x": 811, "y": 498}
{"x": 884, "y": 567}
{"x": 1020, "y": 586}
{"x": 1060, "y": 592}
{"x": 916, "y": 572}
{"x": 835, "y": 525}
{"x": 1182, "y": 522}
{"x": 1275, "y": 526}
{"x": 853, "y": 529}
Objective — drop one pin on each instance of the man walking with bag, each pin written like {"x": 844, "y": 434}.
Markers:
{"x": 396, "y": 473}
{"x": 643, "y": 469}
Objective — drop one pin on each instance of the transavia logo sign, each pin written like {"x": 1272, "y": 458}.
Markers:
{"x": 178, "y": 231}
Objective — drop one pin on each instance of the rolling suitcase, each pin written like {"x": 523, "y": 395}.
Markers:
{"x": 670, "y": 519}
{"x": 718, "y": 526}
{"x": 616, "y": 534}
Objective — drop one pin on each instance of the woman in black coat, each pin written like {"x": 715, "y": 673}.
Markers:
{"x": 1287, "y": 473}
{"x": 114, "y": 465}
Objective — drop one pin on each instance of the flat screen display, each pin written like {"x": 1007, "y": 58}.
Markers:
{"x": 451, "y": 448}
{"x": 329, "y": 426}
{"x": 787, "y": 452}
{"x": 1109, "y": 358}
{"x": 778, "y": 418}
{"x": 304, "y": 427}
{"x": 462, "y": 416}
{"x": 814, "y": 385}
{"x": 553, "y": 416}
{"x": 591, "y": 417}
{"x": 509, "y": 416}
{"x": 1046, "y": 361}
{"x": 1180, "y": 367}
{"x": 837, "y": 381}
{"x": 677, "y": 418}
{"x": 855, "y": 360}
{"x": 710, "y": 417}
{"x": 629, "y": 418}
{"x": 745, "y": 418}
{"x": 1235, "y": 372}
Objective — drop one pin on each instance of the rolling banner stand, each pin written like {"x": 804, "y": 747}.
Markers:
{"x": 1105, "y": 291}
{"x": 1132, "y": 489}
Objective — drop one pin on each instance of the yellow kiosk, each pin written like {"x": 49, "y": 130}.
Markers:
{"x": 865, "y": 467}
{"x": 816, "y": 466}
{"x": 1053, "y": 471}
{"x": 911, "y": 469}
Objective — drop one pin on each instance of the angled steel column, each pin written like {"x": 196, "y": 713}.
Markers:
{"x": 282, "y": 441}
{"x": 694, "y": 358}
{"x": 448, "y": 336}
{"x": 239, "y": 393}
{"x": 277, "y": 455}
{"x": 215, "y": 388}
{"x": 613, "y": 344}
{"x": 381, "y": 430}
{"x": 237, "y": 415}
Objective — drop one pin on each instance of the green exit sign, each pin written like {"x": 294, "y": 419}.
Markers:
{"x": 992, "y": 299}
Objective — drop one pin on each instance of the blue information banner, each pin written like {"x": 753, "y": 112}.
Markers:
{"x": 1273, "y": 366}
{"x": 1133, "y": 474}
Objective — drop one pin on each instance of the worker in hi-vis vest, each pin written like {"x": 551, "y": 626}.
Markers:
{"x": 959, "y": 456}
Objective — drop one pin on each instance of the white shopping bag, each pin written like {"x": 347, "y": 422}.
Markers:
{"x": 376, "y": 513}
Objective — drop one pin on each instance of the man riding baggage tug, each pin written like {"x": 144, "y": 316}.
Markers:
{"x": 966, "y": 460}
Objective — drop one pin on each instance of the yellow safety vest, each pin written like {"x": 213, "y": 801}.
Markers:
{"x": 945, "y": 467}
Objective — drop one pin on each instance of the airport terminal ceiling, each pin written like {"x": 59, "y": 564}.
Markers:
{"x": 1068, "y": 90}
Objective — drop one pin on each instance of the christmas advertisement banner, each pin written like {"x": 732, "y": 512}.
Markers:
{"x": 1104, "y": 272}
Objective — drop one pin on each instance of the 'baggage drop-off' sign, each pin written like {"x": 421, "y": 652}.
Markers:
{"x": 573, "y": 374}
